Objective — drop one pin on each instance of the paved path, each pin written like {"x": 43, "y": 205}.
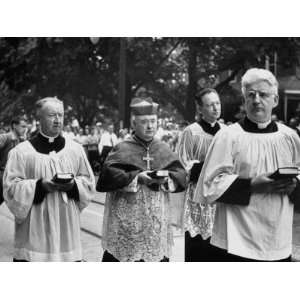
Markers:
{"x": 91, "y": 224}
{"x": 91, "y": 220}
{"x": 6, "y": 233}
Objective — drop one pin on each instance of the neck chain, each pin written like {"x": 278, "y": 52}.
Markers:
{"x": 144, "y": 144}
{"x": 147, "y": 158}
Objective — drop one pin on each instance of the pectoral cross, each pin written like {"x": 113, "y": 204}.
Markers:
{"x": 148, "y": 159}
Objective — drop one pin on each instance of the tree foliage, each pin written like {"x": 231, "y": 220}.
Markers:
{"x": 171, "y": 70}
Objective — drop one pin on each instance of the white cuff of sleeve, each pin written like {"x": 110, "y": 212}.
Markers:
{"x": 132, "y": 186}
{"x": 191, "y": 164}
{"x": 171, "y": 186}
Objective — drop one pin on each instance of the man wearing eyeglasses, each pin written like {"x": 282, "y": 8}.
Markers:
{"x": 254, "y": 213}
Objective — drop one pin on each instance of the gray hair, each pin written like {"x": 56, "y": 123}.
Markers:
{"x": 40, "y": 103}
{"x": 133, "y": 118}
{"x": 257, "y": 75}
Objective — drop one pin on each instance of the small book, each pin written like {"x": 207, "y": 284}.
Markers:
{"x": 285, "y": 173}
{"x": 159, "y": 174}
{"x": 63, "y": 178}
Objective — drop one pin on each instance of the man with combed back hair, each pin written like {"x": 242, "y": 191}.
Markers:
{"x": 254, "y": 209}
{"x": 198, "y": 218}
{"x": 47, "y": 182}
{"x": 138, "y": 176}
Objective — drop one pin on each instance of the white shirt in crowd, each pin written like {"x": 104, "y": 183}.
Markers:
{"x": 107, "y": 139}
{"x": 68, "y": 135}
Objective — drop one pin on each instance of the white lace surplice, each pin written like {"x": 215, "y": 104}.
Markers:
{"x": 198, "y": 218}
{"x": 263, "y": 229}
{"x": 137, "y": 226}
{"x": 49, "y": 231}
{"x": 296, "y": 236}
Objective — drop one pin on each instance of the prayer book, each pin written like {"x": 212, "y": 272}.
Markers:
{"x": 285, "y": 173}
{"x": 159, "y": 174}
{"x": 63, "y": 178}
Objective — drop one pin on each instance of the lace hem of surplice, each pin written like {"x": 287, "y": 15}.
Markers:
{"x": 139, "y": 226}
{"x": 198, "y": 218}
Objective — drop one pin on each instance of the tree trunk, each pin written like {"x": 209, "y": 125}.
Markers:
{"x": 190, "y": 108}
{"x": 122, "y": 83}
{"x": 128, "y": 95}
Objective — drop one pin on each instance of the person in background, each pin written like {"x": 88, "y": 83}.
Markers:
{"x": 68, "y": 133}
{"x": 193, "y": 145}
{"x": 93, "y": 153}
{"x": 79, "y": 137}
{"x": 8, "y": 141}
{"x": 34, "y": 129}
{"x": 294, "y": 123}
{"x": 95, "y": 136}
{"x": 85, "y": 139}
{"x": 160, "y": 130}
{"x": 74, "y": 123}
{"x": 122, "y": 135}
{"x": 2, "y": 129}
{"x": 107, "y": 142}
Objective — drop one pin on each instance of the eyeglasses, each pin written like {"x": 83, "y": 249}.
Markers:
{"x": 253, "y": 94}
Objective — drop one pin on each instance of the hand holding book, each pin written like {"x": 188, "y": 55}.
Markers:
{"x": 283, "y": 180}
{"x": 62, "y": 178}
{"x": 159, "y": 174}
{"x": 285, "y": 173}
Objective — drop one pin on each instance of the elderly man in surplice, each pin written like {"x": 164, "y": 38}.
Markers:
{"x": 47, "y": 182}
{"x": 254, "y": 208}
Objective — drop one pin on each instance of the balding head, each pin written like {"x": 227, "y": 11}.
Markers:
{"x": 42, "y": 102}
{"x": 50, "y": 113}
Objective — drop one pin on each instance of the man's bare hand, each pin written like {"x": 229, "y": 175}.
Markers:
{"x": 264, "y": 184}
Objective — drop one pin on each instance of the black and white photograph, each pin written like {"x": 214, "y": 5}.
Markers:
{"x": 120, "y": 146}
{"x": 150, "y": 149}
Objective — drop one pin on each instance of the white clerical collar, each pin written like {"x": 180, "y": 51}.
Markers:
{"x": 49, "y": 138}
{"x": 212, "y": 124}
{"x": 261, "y": 125}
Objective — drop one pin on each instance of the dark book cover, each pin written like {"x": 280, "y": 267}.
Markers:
{"x": 285, "y": 173}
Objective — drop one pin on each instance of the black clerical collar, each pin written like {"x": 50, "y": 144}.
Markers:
{"x": 141, "y": 141}
{"x": 209, "y": 128}
{"x": 250, "y": 126}
{"x": 41, "y": 143}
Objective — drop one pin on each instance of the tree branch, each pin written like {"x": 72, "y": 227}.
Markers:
{"x": 177, "y": 104}
{"x": 225, "y": 82}
{"x": 158, "y": 66}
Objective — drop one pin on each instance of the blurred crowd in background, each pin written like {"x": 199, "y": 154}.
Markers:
{"x": 94, "y": 137}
